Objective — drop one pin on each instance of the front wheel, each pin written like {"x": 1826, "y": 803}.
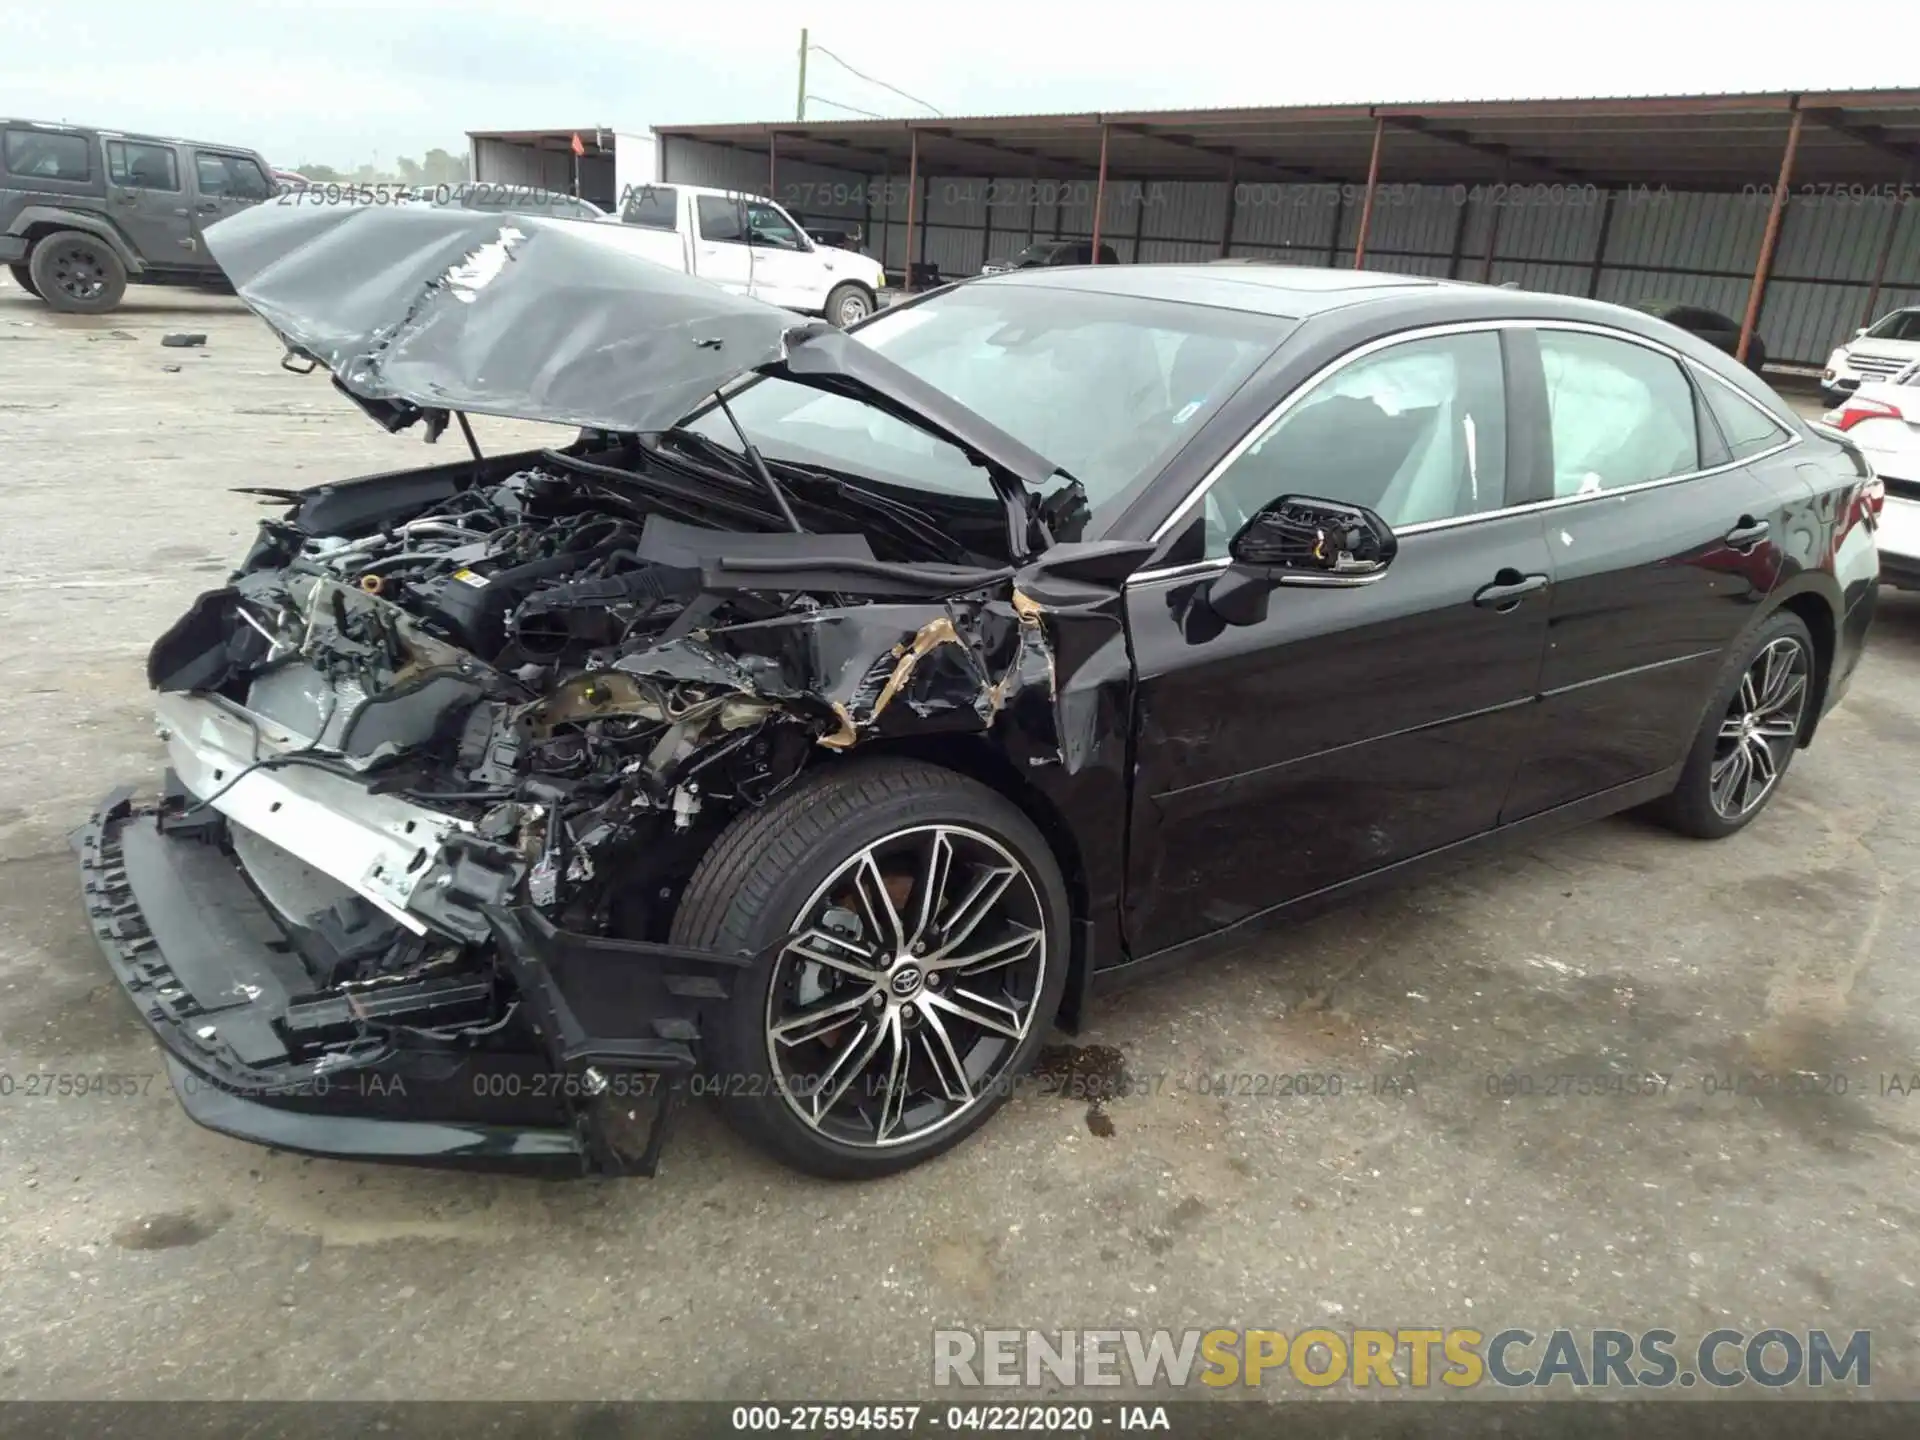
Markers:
{"x": 911, "y": 933}
{"x": 1752, "y": 728}
{"x": 24, "y": 279}
{"x": 849, "y": 304}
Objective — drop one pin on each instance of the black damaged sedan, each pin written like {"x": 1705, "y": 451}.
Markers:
{"x": 835, "y": 714}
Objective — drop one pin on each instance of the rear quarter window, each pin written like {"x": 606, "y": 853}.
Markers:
{"x": 652, "y": 207}
{"x": 47, "y": 155}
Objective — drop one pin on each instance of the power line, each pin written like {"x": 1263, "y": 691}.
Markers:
{"x": 822, "y": 99}
{"x": 871, "y": 81}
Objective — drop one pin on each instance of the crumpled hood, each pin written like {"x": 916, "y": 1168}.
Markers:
{"x": 522, "y": 316}
{"x": 535, "y": 318}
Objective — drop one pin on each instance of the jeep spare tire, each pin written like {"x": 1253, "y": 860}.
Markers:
{"x": 77, "y": 273}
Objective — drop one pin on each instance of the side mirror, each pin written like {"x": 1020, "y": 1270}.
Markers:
{"x": 1299, "y": 540}
{"x": 1860, "y": 333}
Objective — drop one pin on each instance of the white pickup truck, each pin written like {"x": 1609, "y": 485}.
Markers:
{"x": 752, "y": 247}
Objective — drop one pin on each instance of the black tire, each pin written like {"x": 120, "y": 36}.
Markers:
{"x": 848, "y": 304}
{"x": 23, "y": 277}
{"x": 1756, "y": 355}
{"x": 77, "y": 273}
{"x": 1691, "y": 808}
{"x": 748, "y": 894}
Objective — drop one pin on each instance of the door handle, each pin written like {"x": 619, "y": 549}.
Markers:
{"x": 209, "y": 205}
{"x": 1747, "y": 534}
{"x": 1508, "y": 589}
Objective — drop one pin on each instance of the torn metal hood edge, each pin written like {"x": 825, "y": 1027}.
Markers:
{"x": 302, "y": 275}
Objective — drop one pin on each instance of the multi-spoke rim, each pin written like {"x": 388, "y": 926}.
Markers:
{"x": 908, "y": 982}
{"x": 853, "y": 309}
{"x": 1761, "y": 727}
{"x": 78, "y": 270}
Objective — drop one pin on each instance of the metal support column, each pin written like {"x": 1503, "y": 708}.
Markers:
{"x": 1493, "y": 229}
{"x": 1339, "y": 208}
{"x": 1100, "y": 192}
{"x": 1366, "y": 205}
{"x": 1226, "y": 231}
{"x": 1459, "y": 247}
{"x": 986, "y": 224}
{"x": 1600, "y": 244}
{"x": 913, "y": 195}
{"x": 1757, "y": 291}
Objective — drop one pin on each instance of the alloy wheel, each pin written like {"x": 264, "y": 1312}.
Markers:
{"x": 853, "y": 310}
{"x": 907, "y": 985}
{"x": 79, "y": 272}
{"x": 1761, "y": 727}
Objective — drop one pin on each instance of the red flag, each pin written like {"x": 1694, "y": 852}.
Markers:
{"x": 578, "y": 148}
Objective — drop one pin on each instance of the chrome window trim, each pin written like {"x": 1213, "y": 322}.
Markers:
{"x": 1462, "y": 327}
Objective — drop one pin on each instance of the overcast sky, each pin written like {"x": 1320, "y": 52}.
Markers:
{"x": 341, "y": 82}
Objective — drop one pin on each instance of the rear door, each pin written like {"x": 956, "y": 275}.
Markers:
{"x": 148, "y": 199}
{"x": 1663, "y": 544}
{"x": 720, "y": 250}
{"x": 225, "y": 182}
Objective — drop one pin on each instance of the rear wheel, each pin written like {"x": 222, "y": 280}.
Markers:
{"x": 23, "y": 278}
{"x": 77, "y": 273}
{"x": 910, "y": 928}
{"x": 1750, "y": 734}
{"x": 849, "y": 304}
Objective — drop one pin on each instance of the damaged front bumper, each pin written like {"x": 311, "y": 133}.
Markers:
{"x": 581, "y": 1075}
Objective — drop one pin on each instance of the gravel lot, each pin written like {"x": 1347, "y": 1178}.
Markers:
{"x": 147, "y": 1258}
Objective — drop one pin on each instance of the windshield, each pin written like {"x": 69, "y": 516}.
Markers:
{"x": 1039, "y": 252}
{"x": 1105, "y": 386}
{"x": 1900, "y": 325}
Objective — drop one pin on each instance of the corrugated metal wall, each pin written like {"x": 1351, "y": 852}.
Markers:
{"x": 504, "y": 162}
{"x": 1658, "y": 245}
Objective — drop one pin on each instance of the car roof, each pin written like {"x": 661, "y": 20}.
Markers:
{"x": 1299, "y": 292}
{"x": 1290, "y": 291}
{"x": 55, "y": 127}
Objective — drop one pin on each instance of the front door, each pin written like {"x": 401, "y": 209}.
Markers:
{"x": 1353, "y": 727}
{"x": 1666, "y": 527}
{"x": 786, "y": 268}
{"x": 148, "y": 201}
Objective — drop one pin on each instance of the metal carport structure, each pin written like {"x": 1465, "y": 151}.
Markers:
{"x": 1786, "y": 209}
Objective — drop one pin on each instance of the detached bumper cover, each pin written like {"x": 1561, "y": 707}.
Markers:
{"x": 208, "y": 968}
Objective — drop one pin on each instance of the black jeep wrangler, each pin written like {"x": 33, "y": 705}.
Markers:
{"x": 85, "y": 212}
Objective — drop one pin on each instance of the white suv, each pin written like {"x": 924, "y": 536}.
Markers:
{"x": 1876, "y": 353}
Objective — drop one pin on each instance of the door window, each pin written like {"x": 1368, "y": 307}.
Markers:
{"x": 46, "y": 155}
{"x": 766, "y": 225}
{"x": 231, "y": 176}
{"x": 719, "y": 218}
{"x": 653, "y": 207}
{"x": 1415, "y": 432}
{"x": 1748, "y": 429}
{"x": 139, "y": 166}
{"x": 1621, "y": 414}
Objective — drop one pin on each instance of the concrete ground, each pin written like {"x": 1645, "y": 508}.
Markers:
{"x": 145, "y": 1257}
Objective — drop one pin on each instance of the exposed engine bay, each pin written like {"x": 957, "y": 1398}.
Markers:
{"x": 536, "y": 691}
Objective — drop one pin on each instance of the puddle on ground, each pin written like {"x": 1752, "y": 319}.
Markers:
{"x": 168, "y": 1230}
{"x": 1093, "y": 1073}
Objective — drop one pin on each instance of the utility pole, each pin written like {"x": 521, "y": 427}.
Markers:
{"x": 800, "y": 104}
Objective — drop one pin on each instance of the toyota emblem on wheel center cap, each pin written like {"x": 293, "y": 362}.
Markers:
{"x": 905, "y": 981}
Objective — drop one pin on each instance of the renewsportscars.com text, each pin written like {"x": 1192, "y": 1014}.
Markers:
{"x": 1415, "y": 1358}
